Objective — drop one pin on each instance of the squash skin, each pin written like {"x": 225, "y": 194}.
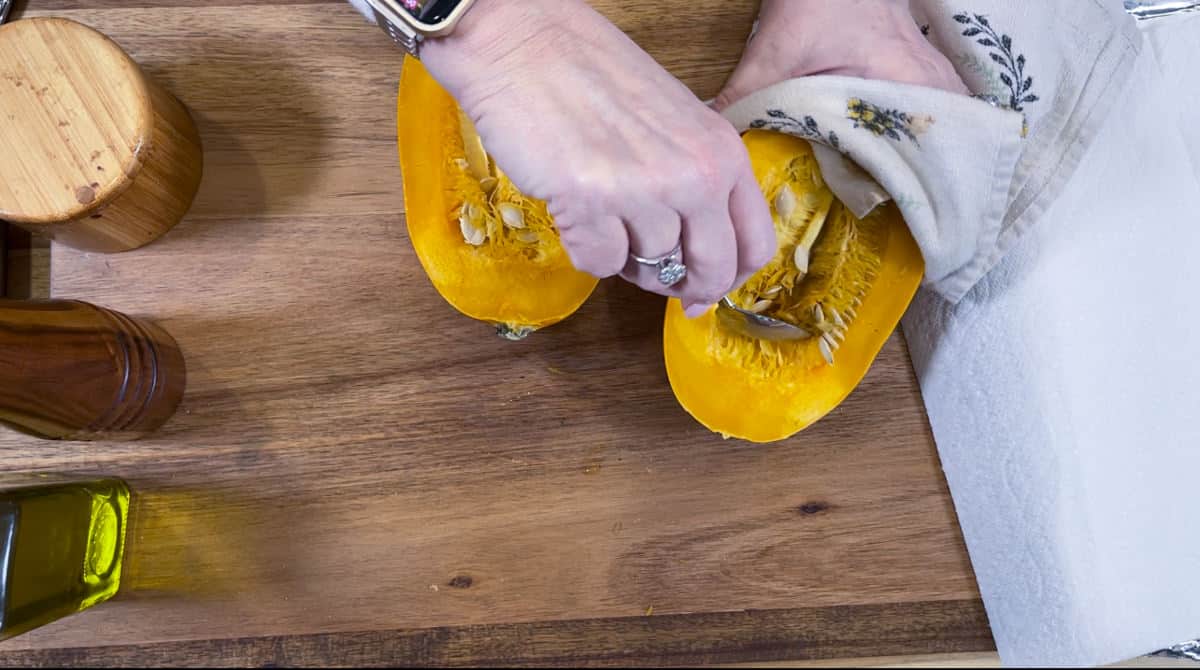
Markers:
{"x": 737, "y": 402}
{"x": 513, "y": 293}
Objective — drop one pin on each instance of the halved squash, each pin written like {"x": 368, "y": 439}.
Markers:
{"x": 491, "y": 252}
{"x": 846, "y": 281}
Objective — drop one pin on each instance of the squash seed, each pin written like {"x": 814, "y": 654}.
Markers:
{"x": 512, "y": 217}
{"x": 785, "y": 202}
{"x": 811, "y": 232}
{"x": 818, "y": 313}
{"x": 837, "y": 317}
{"x": 527, "y": 236}
{"x": 800, "y": 257}
{"x": 774, "y": 290}
{"x": 826, "y": 352}
{"x": 478, "y": 162}
{"x": 801, "y": 333}
{"x": 760, "y": 306}
{"x": 830, "y": 341}
{"x": 473, "y": 235}
{"x": 489, "y": 184}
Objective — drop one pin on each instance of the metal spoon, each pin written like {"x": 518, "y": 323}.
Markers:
{"x": 1150, "y": 9}
{"x": 5, "y": 7}
{"x": 757, "y": 325}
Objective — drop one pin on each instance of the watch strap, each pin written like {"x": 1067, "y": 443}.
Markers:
{"x": 400, "y": 33}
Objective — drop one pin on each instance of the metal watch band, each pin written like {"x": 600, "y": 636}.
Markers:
{"x": 401, "y": 34}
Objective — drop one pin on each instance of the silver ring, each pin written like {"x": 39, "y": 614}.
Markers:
{"x": 671, "y": 269}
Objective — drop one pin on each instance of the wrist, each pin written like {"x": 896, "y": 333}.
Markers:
{"x": 489, "y": 42}
{"x": 823, "y": 33}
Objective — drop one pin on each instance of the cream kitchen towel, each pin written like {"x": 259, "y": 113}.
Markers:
{"x": 946, "y": 159}
{"x": 969, "y": 178}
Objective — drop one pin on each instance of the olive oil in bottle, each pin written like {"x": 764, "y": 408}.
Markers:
{"x": 62, "y": 543}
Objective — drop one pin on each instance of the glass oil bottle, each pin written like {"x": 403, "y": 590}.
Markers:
{"x": 62, "y": 542}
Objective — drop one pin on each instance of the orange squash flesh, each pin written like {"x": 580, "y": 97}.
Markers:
{"x": 517, "y": 292}
{"x": 739, "y": 399}
{"x": 735, "y": 396}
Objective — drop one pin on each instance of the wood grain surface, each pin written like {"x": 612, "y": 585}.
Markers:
{"x": 359, "y": 475}
{"x": 26, "y": 264}
{"x": 95, "y": 154}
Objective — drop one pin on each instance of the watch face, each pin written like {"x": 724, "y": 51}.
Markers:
{"x": 430, "y": 11}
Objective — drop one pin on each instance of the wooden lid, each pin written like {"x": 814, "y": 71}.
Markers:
{"x": 75, "y": 114}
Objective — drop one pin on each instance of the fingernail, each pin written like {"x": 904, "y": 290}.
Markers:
{"x": 695, "y": 310}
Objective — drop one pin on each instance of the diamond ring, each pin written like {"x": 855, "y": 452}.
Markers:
{"x": 671, "y": 269}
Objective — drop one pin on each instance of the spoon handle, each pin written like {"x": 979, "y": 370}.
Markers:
{"x": 1154, "y": 9}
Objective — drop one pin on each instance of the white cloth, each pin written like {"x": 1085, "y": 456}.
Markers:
{"x": 1064, "y": 389}
{"x": 967, "y": 183}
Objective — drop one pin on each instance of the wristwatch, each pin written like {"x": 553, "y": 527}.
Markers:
{"x": 408, "y": 22}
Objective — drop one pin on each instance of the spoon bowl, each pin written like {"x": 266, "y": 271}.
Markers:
{"x": 757, "y": 326}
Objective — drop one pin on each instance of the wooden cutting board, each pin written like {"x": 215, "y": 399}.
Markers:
{"x": 358, "y": 474}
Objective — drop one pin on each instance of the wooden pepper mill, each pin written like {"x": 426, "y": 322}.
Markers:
{"x": 93, "y": 153}
{"x": 70, "y": 370}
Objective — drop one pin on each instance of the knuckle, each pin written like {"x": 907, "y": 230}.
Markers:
{"x": 592, "y": 267}
{"x": 590, "y": 186}
{"x": 761, "y": 254}
{"x": 611, "y": 267}
{"x": 577, "y": 261}
{"x": 706, "y": 171}
{"x": 598, "y": 262}
{"x": 763, "y": 250}
{"x": 716, "y": 285}
{"x": 729, "y": 143}
{"x": 596, "y": 265}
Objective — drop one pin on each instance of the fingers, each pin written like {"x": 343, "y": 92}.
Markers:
{"x": 653, "y": 233}
{"x": 599, "y": 247}
{"x": 776, "y": 47}
{"x": 753, "y": 227}
{"x": 710, "y": 253}
{"x": 753, "y": 71}
{"x": 726, "y": 246}
{"x": 653, "y": 230}
{"x": 917, "y": 63}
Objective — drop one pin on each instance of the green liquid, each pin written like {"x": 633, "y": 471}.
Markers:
{"x": 61, "y": 547}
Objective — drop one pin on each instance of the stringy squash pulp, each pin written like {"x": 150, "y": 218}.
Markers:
{"x": 494, "y": 255}
{"x": 845, "y": 281}
{"x": 491, "y": 252}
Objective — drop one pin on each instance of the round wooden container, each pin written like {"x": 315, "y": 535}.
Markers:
{"x": 93, "y": 154}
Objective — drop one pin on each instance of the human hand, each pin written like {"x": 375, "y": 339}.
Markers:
{"x": 872, "y": 39}
{"x": 627, "y": 158}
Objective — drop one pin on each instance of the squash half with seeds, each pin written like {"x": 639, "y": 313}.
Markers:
{"x": 494, "y": 254}
{"x": 491, "y": 252}
{"x": 844, "y": 280}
